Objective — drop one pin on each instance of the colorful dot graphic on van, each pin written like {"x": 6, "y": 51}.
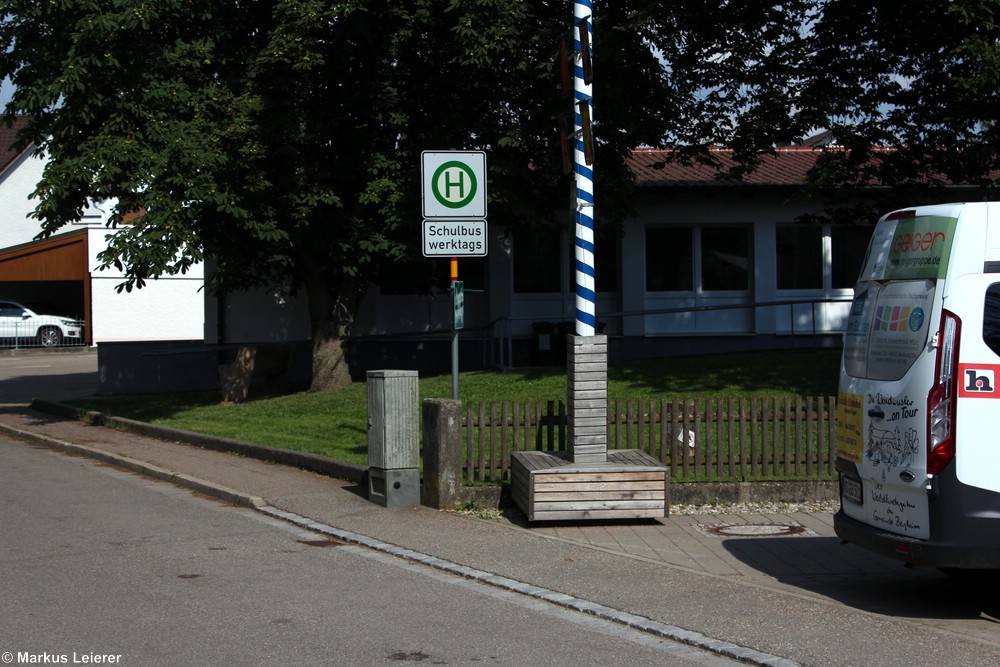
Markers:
{"x": 894, "y": 318}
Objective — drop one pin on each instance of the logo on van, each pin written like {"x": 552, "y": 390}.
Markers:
{"x": 978, "y": 381}
{"x": 920, "y": 248}
{"x": 899, "y": 318}
{"x": 918, "y": 241}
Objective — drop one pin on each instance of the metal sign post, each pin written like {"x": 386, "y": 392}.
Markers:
{"x": 458, "y": 297}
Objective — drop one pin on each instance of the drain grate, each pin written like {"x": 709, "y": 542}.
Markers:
{"x": 754, "y": 529}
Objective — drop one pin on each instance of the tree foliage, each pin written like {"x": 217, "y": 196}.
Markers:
{"x": 909, "y": 94}
{"x": 281, "y": 138}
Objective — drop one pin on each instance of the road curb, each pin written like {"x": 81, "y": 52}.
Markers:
{"x": 148, "y": 469}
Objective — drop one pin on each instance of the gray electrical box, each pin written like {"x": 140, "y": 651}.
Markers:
{"x": 393, "y": 438}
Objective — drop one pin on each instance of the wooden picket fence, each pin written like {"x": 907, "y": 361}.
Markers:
{"x": 721, "y": 439}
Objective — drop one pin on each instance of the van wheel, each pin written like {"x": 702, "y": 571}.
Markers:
{"x": 49, "y": 337}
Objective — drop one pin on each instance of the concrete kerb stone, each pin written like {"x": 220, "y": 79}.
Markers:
{"x": 148, "y": 469}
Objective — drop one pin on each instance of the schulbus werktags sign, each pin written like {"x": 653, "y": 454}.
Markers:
{"x": 454, "y": 238}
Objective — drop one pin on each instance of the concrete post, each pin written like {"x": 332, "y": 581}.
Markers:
{"x": 441, "y": 486}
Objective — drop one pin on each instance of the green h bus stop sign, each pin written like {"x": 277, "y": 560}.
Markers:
{"x": 453, "y": 184}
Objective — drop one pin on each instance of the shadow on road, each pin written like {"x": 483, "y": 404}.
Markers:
{"x": 22, "y": 389}
{"x": 868, "y": 582}
{"x": 56, "y": 376}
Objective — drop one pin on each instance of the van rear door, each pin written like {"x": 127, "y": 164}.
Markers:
{"x": 888, "y": 370}
{"x": 887, "y": 382}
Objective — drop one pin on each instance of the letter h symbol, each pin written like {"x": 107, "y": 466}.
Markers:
{"x": 449, "y": 184}
{"x": 979, "y": 382}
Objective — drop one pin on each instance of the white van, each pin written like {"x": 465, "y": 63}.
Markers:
{"x": 918, "y": 414}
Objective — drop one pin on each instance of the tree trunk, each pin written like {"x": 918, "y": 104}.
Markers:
{"x": 329, "y": 364}
{"x": 332, "y": 307}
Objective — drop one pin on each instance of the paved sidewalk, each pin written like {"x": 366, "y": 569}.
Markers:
{"x": 772, "y": 584}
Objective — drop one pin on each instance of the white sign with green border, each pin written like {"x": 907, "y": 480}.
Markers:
{"x": 453, "y": 184}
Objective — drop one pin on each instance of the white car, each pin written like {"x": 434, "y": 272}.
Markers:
{"x": 21, "y": 323}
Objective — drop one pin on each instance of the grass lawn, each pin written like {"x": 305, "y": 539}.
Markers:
{"x": 334, "y": 423}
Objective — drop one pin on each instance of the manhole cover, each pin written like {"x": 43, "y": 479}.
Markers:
{"x": 754, "y": 529}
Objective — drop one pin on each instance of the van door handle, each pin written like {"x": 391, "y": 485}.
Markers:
{"x": 876, "y": 413}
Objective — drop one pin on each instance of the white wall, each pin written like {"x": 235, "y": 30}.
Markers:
{"x": 16, "y": 183}
{"x": 258, "y": 316}
{"x": 171, "y": 308}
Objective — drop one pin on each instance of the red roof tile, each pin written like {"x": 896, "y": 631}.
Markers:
{"x": 8, "y": 136}
{"x": 786, "y": 168}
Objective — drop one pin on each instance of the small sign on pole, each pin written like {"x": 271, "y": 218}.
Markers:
{"x": 454, "y": 238}
{"x": 458, "y": 291}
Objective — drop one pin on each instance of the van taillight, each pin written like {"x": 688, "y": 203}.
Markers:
{"x": 941, "y": 399}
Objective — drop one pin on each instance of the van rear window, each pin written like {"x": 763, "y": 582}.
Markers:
{"x": 910, "y": 248}
{"x": 991, "y": 318}
{"x": 887, "y": 328}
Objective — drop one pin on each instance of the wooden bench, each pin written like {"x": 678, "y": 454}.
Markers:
{"x": 548, "y": 486}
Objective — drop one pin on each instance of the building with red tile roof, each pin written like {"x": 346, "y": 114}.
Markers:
{"x": 786, "y": 168}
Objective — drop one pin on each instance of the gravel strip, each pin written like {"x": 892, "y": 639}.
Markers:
{"x": 812, "y": 507}
{"x": 830, "y": 506}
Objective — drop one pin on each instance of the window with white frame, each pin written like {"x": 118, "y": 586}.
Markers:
{"x": 607, "y": 251}
{"x": 799, "y": 255}
{"x": 849, "y": 244}
{"x": 93, "y": 214}
{"x": 706, "y": 258}
{"x": 819, "y": 257}
{"x": 725, "y": 258}
{"x": 537, "y": 261}
{"x": 538, "y": 257}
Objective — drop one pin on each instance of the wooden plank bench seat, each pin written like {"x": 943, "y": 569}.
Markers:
{"x": 548, "y": 486}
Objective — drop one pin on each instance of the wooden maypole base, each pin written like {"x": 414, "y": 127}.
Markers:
{"x": 589, "y": 482}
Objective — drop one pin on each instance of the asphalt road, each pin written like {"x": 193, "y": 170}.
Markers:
{"x": 100, "y": 563}
{"x": 54, "y": 375}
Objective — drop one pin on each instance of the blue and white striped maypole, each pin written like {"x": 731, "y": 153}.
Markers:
{"x": 586, "y": 292}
